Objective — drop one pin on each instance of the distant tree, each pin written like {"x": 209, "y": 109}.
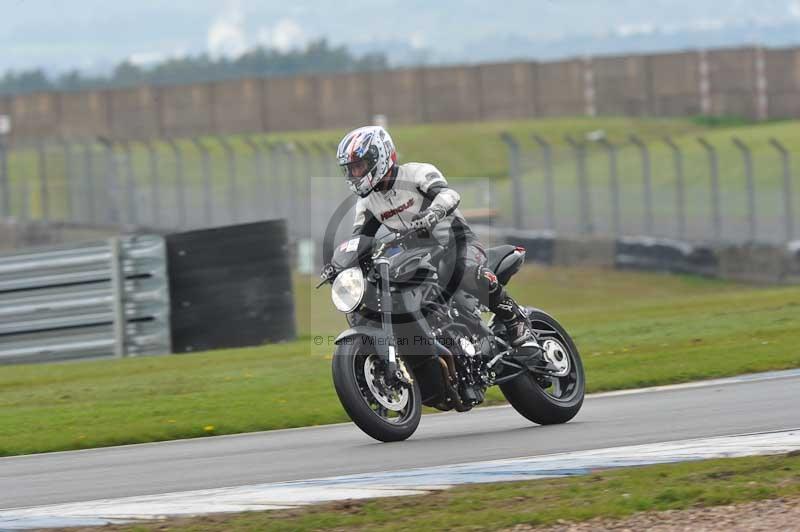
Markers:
{"x": 317, "y": 58}
{"x": 26, "y": 81}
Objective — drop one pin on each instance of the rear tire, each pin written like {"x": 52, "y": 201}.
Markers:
{"x": 353, "y": 363}
{"x": 527, "y": 393}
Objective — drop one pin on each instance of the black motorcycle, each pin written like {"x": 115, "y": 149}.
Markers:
{"x": 413, "y": 342}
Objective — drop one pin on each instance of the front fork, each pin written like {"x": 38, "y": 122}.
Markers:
{"x": 395, "y": 370}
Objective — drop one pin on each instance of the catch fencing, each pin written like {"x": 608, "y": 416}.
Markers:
{"x": 710, "y": 189}
{"x": 185, "y": 184}
{"x": 725, "y": 190}
{"x": 99, "y": 299}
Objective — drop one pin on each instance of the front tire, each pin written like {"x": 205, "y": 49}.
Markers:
{"x": 549, "y": 400}
{"x": 385, "y": 413}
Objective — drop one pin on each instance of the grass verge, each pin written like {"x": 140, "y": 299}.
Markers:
{"x": 633, "y": 329}
{"x": 611, "y": 493}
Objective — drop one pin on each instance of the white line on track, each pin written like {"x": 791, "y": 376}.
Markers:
{"x": 392, "y": 483}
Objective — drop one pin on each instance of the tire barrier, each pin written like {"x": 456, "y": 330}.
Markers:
{"x": 759, "y": 263}
{"x": 756, "y": 263}
{"x": 230, "y": 287}
{"x": 793, "y": 249}
{"x": 665, "y": 255}
{"x": 539, "y": 245}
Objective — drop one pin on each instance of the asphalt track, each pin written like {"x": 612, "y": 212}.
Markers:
{"x": 751, "y": 404}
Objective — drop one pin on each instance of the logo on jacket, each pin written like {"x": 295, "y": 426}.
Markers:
{"x": 397, "y": 210}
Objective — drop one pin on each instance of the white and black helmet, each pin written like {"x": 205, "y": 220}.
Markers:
{"x": 366, "y": 155}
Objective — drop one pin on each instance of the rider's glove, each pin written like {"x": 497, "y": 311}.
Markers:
{"x": 428, "y": 218}
{"x": 327, "y": 272}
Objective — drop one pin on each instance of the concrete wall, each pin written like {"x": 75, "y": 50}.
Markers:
{"x": 782, "y": 70}
{"x": 451, "y": 93}
{"x": 733, "y": 79}
{"x": 750, "y": 82}
{"x": 398, "y": 95}
{"x": 675, "y": 84}
{"x": 561, "y": 89}
{"x": 506, "y": 90}
{"x": 622, "y": 85}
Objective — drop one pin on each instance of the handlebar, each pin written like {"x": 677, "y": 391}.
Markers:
{"x": 397, "y": 237}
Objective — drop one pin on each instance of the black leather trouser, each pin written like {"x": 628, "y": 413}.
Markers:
{"x": 470, "y": 273}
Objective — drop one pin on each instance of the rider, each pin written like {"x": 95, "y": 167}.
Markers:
{"x": 417, "y": 196}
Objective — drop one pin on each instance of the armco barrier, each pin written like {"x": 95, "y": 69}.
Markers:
{"x": 100, "y": 299}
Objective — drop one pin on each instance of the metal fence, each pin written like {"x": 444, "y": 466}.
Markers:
{"x": 183, "y": 184}
{"x": 99, "y": 299}
{"x": 693, "y": 189}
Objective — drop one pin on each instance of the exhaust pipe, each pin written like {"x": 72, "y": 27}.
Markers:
{"x": 449, "y": 376}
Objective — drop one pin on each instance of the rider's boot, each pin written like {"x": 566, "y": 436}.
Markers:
{"x": 520, "y": 335}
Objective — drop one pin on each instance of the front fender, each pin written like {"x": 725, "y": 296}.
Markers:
{"x": 372, "y": 336}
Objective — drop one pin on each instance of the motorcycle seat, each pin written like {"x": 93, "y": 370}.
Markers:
{"x": 505, "y": 261}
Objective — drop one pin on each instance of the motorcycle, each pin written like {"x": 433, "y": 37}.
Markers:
{"x": 413, "y": 342}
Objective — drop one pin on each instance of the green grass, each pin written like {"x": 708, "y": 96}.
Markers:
{"x": 611, "y": 494}
{"x": 633, "y": 329}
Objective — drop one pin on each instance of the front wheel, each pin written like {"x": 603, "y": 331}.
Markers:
{"x": 385, "y": 412}
{"x": 543, "y": 399}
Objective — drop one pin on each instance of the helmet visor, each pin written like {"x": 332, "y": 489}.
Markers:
{"x": 356, "y": 170}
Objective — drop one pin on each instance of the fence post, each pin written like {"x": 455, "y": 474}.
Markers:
{"x": 130, "y": 185}
{"x": 716, "y": 214}
{"x": 68, "y": 190}
{"x": 117, "y": 296}
{"x": 515, "y": 171}
{"x": 307, "y": 171}
{"x": 44, "y": 197}
{"x": 259, "y": 199}
{"x": 289, "y": 185}
{"x": 613, "y": 176}
{"x": 549, "y": 184}
{"x": 208, "y": 208}
{"x": 233, "y": 189}
{"x": 5, "y": 186}
{"x": 277, "y": 200}
{"x": 180, "y": 190}
{"x": 680, "y": 192}
{"x": 110, "y": 182}
{"x": 647, "y": 183}
{"x": 788, "y": 210}
{"x": 323, "y": 162}
{"x": 25, "y": 192}
{"x": 751, "y": 187}
{"x": 155, "y": 193}
{"x": 88, "y": 162}
{"x": 584, "y": 199}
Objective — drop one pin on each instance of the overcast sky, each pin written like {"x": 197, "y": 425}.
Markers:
{"x": 94, "y": 34}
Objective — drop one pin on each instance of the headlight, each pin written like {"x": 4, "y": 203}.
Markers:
{"x": 348, "y": 289}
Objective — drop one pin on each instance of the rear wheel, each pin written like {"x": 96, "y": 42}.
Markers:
{"x": 386, "y": 412}
{"x": 549, "y": 400}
